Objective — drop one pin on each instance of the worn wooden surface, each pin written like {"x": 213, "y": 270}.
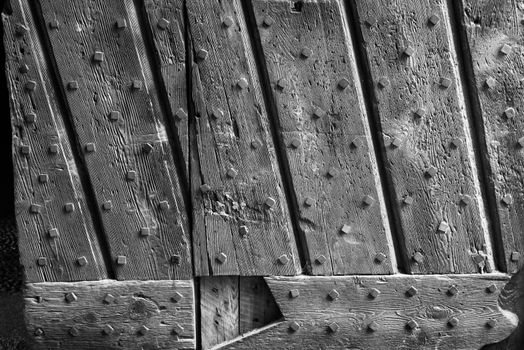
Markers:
{"x": 114, "y": 111}
{"x": 45, "y": 180}
{"x": 352, "y": 318}
{"x": 241, "y": 221}
{"x": 325, "y": 131}
{"x": 111, "y": 315}
{"x": 494, "y": 42}
{"x": 429, "y": 155}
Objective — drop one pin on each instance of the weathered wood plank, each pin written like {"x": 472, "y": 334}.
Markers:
{"x": 257, "y": 307}
{"x": 427, "y": 136}
{"x": 111, "y": 315}
{"x": 494, "y": 35}
{"x": 170, "y": 50}
{"x": 242, "y": 224}
{"x": 124, "y": 141}
{"x": 55, "y": 245}
{"x": 448, "y": 312}
{"x": 324, "y": 127}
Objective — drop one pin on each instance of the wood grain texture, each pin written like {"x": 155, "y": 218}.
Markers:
{"x": 241, "y": 220}
{"x": 166, "y": 308}
{"x": 171, "y": 53}
{"x": 494, "y": 34}
{"x": 324, "y": 127}
{"x": 115, "y": 114}
{"x": 353, "y": 311}
{"x": 44, "y": 181}
{"x": 257, "y": 307}
{"x": 426, "y": 135}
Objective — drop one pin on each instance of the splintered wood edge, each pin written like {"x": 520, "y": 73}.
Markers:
{"x": 111, "y": 314}
{"x": 448, "y": 311}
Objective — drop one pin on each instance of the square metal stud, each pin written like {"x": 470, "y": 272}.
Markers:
{"x": 443, "y": 227}
{"x": 107, "y": 205}
{"x": 418, "y": 257}
{"x": 333, "y": 327}
{"x": 147, "y": 148}
{"x": 368, "y": 200}
{"x": 131, "y": 175}
{"x": 283, "y": 259}
{"x": 294, "y": 293}
{"x": 306, "y": 52}
{"x": 343, "y": 83}
{"x": 510, "y": 113}
{"x": 35, "y": 208}
{"x": 268, "y": 21}
{"x": 431, "y": 171}
{"x": 228, "y": 21}
{"x": 163, "y": 205}
{"x": 490, "y": 82}
{"x": 231, "y": 173}
{"x": 505, "y": 49}
{"x": 70, "y": 297}
{"x": 433, "y": 20}
{"x": 177, "y": 297}
{"x": 453, "y": 290}
{"x": 180, "y": 114}
{"x": 420, "y": 113}
{"x": 318, "y": 112}
{"x": 142, "y": 330}
{"x": 515, "y": 256}
{"x": 175, "y": 259}
{"x": 21, "y": 29}
{"x": 121, "y": 260}
{"x": 108, "y": 329}
{"x": 453, "y": 322}
{"x": 492, "y": 323}
{"x": 346, "y": 229}
{"x": 373, "y": 326}
{"x": 74, "y": 332}
{"x": 380, "y": 257}
{"x": 456, "y": 143}
{"x": 295, "y": 143}
{"x": 412, "y": 291}
{"x": 255, "y": 144}
{"x": 41, "y": 261}
{"x": 396, "y": 142}
{"x": 109, "y": 298}
{"x": 294, "y": 326}
{"x": 221, "y": 258}
{"x": 30, "y": 85}
{"x": 409, "y": 51}
{"x": 201, "y": 54}
{"x": 81, "y": 261}
{"x": 243, "y": 230}
{"x": 374, "y": 293}
{"x": 54, "y": 24}
{"x": 383, "y": 82}
{"x": 270, "y": 202}
{"x": 98, "y": 56}
{"x": 205, "y": 188}
{"x": 115, "y": 116}
{"x": 217, "y": 113}
{"x": 492, "y": 288}
{"x": 53, "y": 148}
{"x": 332, "y": 172}
{"x": 520, "y": 142}
{"x": 408, "y": 200}
{"x": 163, "y": 23}
{"x": 242, "y": 83}
{"x": 53, "y": 233}
{"x": 465, "y": 200}
{"x": 333, "y": 294}
{"x": 24, "y": 68}
{"x": 178, "y": 329}
{"x": 357, "y": 142}
{"x": 320, "y": 260}
{"x": 90, "y": 147}
{"x": 412, "y": 324}
{"x": 507, "y": 200}
{"x": 145, "y": 231}
{"x": 25, "y": 150}
{"x": 72, "y": 85}
{"x": 121, "y": 23}
{"x": 136, "y": 84}
{"x": 308, "y": 202}
{"x": 445, "y": 82}
{"x": 282, "y": 84}
{"x": 30, "y": 118}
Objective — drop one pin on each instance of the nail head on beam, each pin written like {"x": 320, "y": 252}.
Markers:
{"x": 294, "y": 293}
{"x": 453, "y": 322}
{"x": 221, "y": 258}
{"x": 294, "y": 326}
{"x": 283, "y": 259}
{"x": 380, "y": 257}
{"x": 163, "y": 23}
{"x": 412, "y": 291}
{"x": 70, "y": 297}
{"x": 176, "y": 297}
{"x": 418, "y": 257}
{"x": 333, "y": 294}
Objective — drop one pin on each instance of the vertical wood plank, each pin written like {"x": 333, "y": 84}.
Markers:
{"x": 324, "y": 127}
{"x": 55, "y": 244}
{"x": 427, "y": 136}
{"x": 239, "y": 207}
{"x": 115, "y": 114}
{"x": 257, "y": 307}
{"x": 495, "y": 44}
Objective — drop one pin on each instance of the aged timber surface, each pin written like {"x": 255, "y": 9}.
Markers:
{"x": 408, "y": 312}
{"x": 494, "y": 34}
{"x": 55, "y": 244}
{"x": 111, "y": 315}
{"x": 325, "y": 131}
{"x": 241, "y": 222}
{"x": 114, "y": 109}
{"x": 426, "y": 135}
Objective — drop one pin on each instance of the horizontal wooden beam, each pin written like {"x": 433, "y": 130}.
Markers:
{"x": 111, "y": 315}
{"x": 385, "y": 312}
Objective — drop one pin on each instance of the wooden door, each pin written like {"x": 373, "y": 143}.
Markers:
{"x": 318, "y": 174}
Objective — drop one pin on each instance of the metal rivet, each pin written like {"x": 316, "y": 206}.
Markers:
{"x": 345, "y": 229}
{"x": 201, "y": 54}
{"x": 70, "y": 297}
{"x": 178, "y": 329}
{"x": 175, "y": 259}
{"x": 380, "y": 257}
{"x": 205, "y": 188}
{"x": 82, "y": 261}
{"x": 490, "y": 83}
{"x": 217, "y": 113}
{"x": 431, "y": 171}
{"x": 409, "y": 51}
{"x": 318, "y": 112}
{"x": 30, "y": 118}
{"x": 412, "y": 291}
{"x": 136, "y": 84}
{"x": 90, "y": 147}
{"x": 177, "y": 297}
{"x": 180, "y": 114}
{"x": 72, "y": 85}
{"x": 306, "y": 52}
{"x": 445, "y": 82}
{"x": 343, "y": 83}
{"x": 54, "y": 24}
{"x": 145, "y": 231}
{"x": 107, "y": 205}
{"x": 142, "y": 330}
{"x": 53, "y": 233}
{"x": 121, "y": 260}
{"x": 270, "y": 202}
{"x": 465, "y": 200}
{"x": 35, "y": 208}
{"x": 163, "y": 205}
{"x": 433, "y": 20}
{"x": 294, "y": 326}
{"x": 98, "y": 56}
{"x": 25, "y": 150}
{"x": 418, "y": 257}
{"x": 308, "y": 202}
{"x": 408, "y": 200}
{"x": 396, "y": 142}
{"x": 21, "y": 29}
{"x": 443, "y": 227}
{"x": 41, "y": 261}
{"x": 453, "y": 290}
{"x": 255, "y": 144}
{"x": 520, "y": 142}
{"x": 383, "y": 82}
{"x": 282, "y": 84}
{"x": 43, "y": 178}
{"x": 412, "y": 324}
{"x": 333, "y": 294}
{"x": 321, "y": 259}
{"x": 24, "y": 68}
{"x": 114, "y": 116}
{"x": 373, "y": 326}
{"x": 510, "y": 112}
{"x": 242, "y": 83}
{"x": 491, "y": 323}
{"x": 295, "y": 143}
{"x": 374, "y": 293}
{"x": 507, "y": 199}
{"x": 294, "y": 293}
{"x": 356, "y": 142}
{"x": 228, "y": 21}
{"x": 30, "y": 85}
{"x": 109, "y": 298}
{"x": 147, "y": 148}
{"x": 492, "y": 288}
{"x": 231, "y": 173}
{"x": 131, "y": 175}
{"x": 121, "y": 23}
{"x": 39, "y": 332}
{"x": 108, "y": 330}
{"x": 420, "y": 113}
{"x": 515, "y": 256}
{"x": 69, "y": 207}
{"x": 268, "y": 21}
{"x": 74, "y": 332}
{"x": 53, "y": 149}
{"x": 478, "y": 259}
{"x": 368, "y": 200}
{"x": 333, "y": 327}
{"x": 456, "y": 143}
{"x": 283, "y": 259}
{"x": 332, "y": 172}
{"x": 163, "y": 23}
{"x": 505, "y": 49}
{"x": 221, "y": 258}
{"x": 243, "y": 230}
{"x": 453, "y": 322}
